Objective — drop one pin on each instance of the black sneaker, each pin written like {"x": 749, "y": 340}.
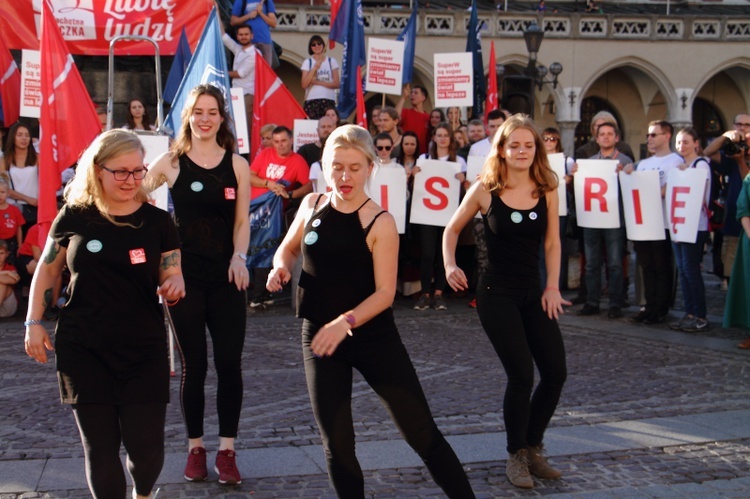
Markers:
{"x": 696, "y": 326}
{"x": 654, "y": 318}
{"x": 614, "y": 312}
{"x": 588, "y": 310}
{"x": 578, "y": 300}
{"x": 678, "y": 325}
{"x": 641, "y": 316}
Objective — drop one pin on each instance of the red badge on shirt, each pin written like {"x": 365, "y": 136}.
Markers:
{"x": 137, "y": 256}
{"x": 230, "y": 193}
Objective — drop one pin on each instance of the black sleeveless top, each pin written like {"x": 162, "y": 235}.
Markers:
{"x": 337, "y": 269}
{"x": 204, "y": 204}
{"x": 513, "y": 239}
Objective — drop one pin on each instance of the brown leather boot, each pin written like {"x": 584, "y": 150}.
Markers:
{"x": 517, "y": 469}
{"x": 744, "y": 345}
{"x": 538, "y": 465}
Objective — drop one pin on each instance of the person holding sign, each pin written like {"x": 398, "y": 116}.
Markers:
{"x": 320, "y": 79}
{"x": 349, "y": 248}
{"x": 415, "y": 119}
{"x": 443, "y": 148}
{"x": 517, "y": 197}
{"x": 654, "y": 257}
{"x": 688, "y": 256}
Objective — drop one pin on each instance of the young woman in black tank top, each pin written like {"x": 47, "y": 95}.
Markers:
{"x": 350, "y": 257}
{"x": 210, "y": 188}
{"x": 517, "y": 196}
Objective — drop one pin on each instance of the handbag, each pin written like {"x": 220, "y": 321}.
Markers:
{"x": 28, "y": 211}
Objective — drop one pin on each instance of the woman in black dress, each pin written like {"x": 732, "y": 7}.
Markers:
{"x": 111, "y": 344}
{"x": 350, "y": 257}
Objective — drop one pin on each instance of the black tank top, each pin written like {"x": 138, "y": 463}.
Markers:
{"x": 337, "y": 269}
{"x": 513, "y": 238}
{"x": 204, "y": 204}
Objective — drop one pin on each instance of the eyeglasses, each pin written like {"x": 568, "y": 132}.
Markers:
{"x": 122, "y": 175}
{"x": 315, "y": 44}
{"x": 652, "y": 135}
{"x": 384, "y": 148}
{"x": 743, "y": 125}
{"x": 550, "y": 139}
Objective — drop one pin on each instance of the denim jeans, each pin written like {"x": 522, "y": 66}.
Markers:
{"x": 613, "y": 240}
{"x": 688, "y": 258}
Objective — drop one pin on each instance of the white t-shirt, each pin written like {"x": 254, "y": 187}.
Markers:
{"x": 324, "y": 73}
{"x": 461, "y": 161}
{"x": 25, "y": 181}
{"x": 662, "y": 164}
{"x": 481, "y": 148}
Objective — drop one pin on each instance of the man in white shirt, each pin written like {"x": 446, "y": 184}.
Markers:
{"x": 495, "y": 118}
{"x": 654, "y": 257}
{"x": 243, "y": 68}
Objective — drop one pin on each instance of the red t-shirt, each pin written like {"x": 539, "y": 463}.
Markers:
{"x": 32, "y": 239}
{"x": 11, "y": 220}
{"x": 269, "y": 165}
{"x": 419, "y": 123}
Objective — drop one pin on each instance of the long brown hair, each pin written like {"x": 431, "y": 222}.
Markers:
{"x": 146, "y": 119}
{"x": 224, "y": 137}
{"x": 494, "y": 174}
{"x": 9, "y": 152}
{"x": 452, "y": 145}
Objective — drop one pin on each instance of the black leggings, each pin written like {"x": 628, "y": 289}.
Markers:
{"x": 385, "y": 365}
{"x": 431, "y": 258}
{"x": 140, "y": 428}
{"x": 221, "y": 307}
{"x": 522, "y": 334}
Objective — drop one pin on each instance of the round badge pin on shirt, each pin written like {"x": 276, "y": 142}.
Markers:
{"x": 94, "y": 246}
{"x": 516, "y": 217}
{"x": 316, "y": 222}
{"x": 311, "y": 238}
{"x": 533, "y": 215}
{"x": 196, "y": 186}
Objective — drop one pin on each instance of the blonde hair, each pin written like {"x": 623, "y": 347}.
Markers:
{"x": 494, "y": 174}
{"x": 347, "y": 137}
{"x": 86, "y": 189}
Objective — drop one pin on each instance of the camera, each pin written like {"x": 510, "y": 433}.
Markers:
{"x": 734, "y": 148}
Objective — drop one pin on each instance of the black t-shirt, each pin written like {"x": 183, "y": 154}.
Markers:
{"x": 111, "y": 340}
{"x": 311, "y": 152}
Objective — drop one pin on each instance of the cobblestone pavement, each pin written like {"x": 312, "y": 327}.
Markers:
{"x": 617, "y": 372}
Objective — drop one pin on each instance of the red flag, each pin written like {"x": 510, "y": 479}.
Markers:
{"x": 273, "y": 103}
{"x": 10, "y": 85}
{"x": 68, "y": 121}
{"x": 335, "y": 6}
{"x": 361, "y": 111}
{"x": 491, "y": 102}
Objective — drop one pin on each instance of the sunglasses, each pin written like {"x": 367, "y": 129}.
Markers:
{"x": 652, "y": 135}
{"x": 384, "y": 148}
{"x": 550, "y": 139}
{"x": 315, "y": 44}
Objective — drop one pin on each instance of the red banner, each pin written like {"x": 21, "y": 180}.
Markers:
{"x": 88, "y": 26}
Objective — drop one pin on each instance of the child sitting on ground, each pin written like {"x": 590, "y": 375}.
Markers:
{"x": 8, "y": 279}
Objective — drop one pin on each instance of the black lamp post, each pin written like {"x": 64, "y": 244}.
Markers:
{"x": 533, "y": 36}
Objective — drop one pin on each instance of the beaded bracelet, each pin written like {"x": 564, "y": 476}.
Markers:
{"x": 33, "y": 322}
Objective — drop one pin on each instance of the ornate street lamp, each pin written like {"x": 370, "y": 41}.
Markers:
{"x": 533, "y": 36}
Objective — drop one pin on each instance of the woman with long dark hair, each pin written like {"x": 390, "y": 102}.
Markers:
{"x": 517, "y": 197}
{"x": 20, "y": 164}
{"x": 210, "y": 187}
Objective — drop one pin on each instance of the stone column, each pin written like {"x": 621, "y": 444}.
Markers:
{"x": 568, "y": 134}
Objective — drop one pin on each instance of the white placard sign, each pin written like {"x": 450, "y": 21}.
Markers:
{"x": 595, "y": 185}
{"x": 385, "y": 66}
{"x": 240, "y": 124}
{"x": 320, "y": 185}
{"x": 474, "y": 165}
{"x": 388, "y": 189}
{"x": 642, "y": 204}
{"x": 305, "y": 132}
{"x": 557, "y": 163}
{"x": 685, "y": 198}
{"x": 436, "y": 192}
{"x": 454, "y": 79}
{"x": 31, "y": 84}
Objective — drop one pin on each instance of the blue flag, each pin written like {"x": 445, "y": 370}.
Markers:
{"x": 266, "y": 229}
{"x": 178, "y": 69}
{"x": 409, "y": 36}
{"x": 208, "y": 65}
{"x": 474, "y": 45}
{"x": 349, "y": 29}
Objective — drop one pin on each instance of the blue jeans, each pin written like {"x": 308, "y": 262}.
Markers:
{"x": 614, "y": 242}
{"x": 688, "y": 259}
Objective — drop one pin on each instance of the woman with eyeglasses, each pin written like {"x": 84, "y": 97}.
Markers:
{"x": 110, "y": 341}
{"x": 348, "y": 317}
{"x": 210, "y": 187}
{"x": 320, "y": 79}
{"x": 443, "y": 147}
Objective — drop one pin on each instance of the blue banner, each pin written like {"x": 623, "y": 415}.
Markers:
{"x": 178, "y": 69}
{"x": 349, "y": 28}
{"x": 208, "y": 65}
{"x": 474, "y": 45}
{"x": 409, "y": 36}
{"x": 266, "y": 229}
